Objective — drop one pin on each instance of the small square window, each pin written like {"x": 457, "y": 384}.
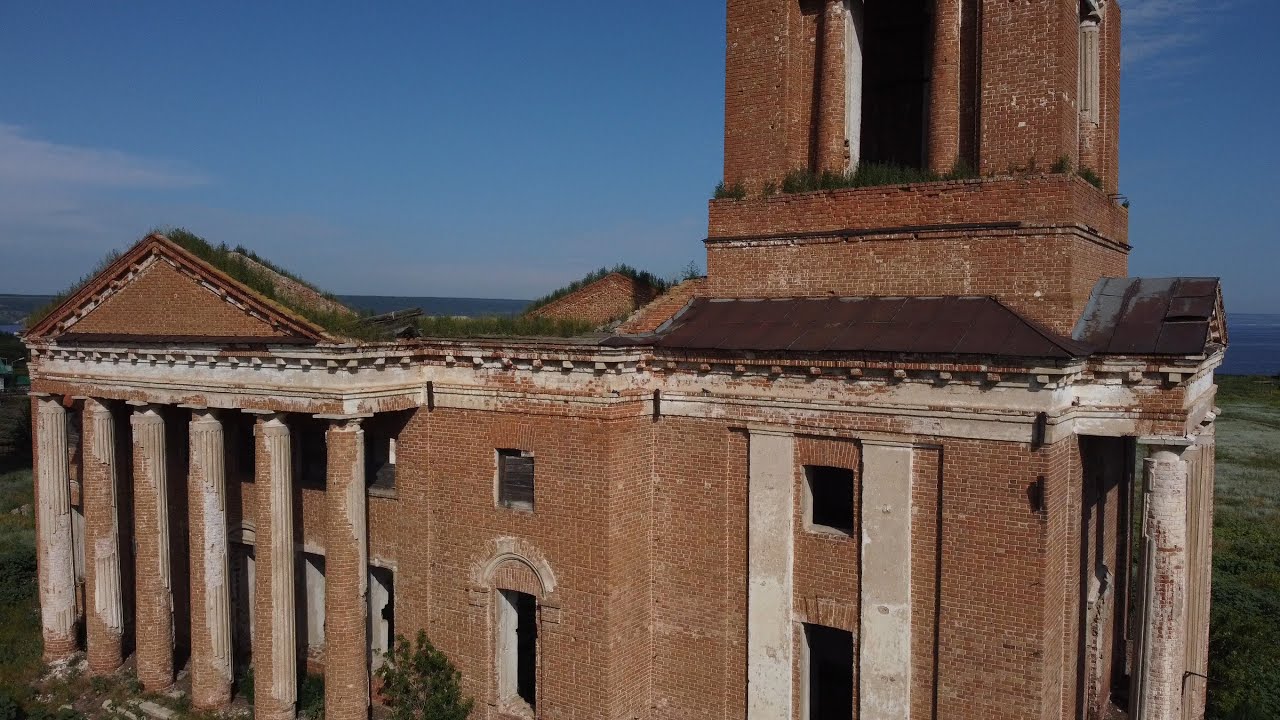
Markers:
{"x": 515, "y": 479}
{"x": 829, "y": 499}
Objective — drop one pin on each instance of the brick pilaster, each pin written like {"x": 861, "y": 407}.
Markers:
{"x": 275, "y": 650}
{"x": 104, "y": 616}
{"x": 153, "y": 577}
{"x": 832, "y": 145}
{"x": 53, "y": 529}
{"x": 346, "y": 575}
{"x": 210, "y": 573}
{"x": 944, "y": 104}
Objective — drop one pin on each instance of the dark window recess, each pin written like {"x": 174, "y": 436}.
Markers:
{"x": 831, "y": 498}
{"x": 830, "y": 673}
{"x": 897, "y": 63}
{"x": 239, "y": 439}
{"x": 310, "y": 453}
{"x": 515, "y": 479}
{"x": 381, "y": 437}
{"x": 526, "y": 608}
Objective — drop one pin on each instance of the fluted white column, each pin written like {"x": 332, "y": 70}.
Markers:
{"x": 210, "y": 572}
{"x": 276, "y": 670}
{"x": 1163, "y": 657}
{"x": 105, "y": 620}
{"x": 153, "y": 563}
{"x": 56, "y": 561}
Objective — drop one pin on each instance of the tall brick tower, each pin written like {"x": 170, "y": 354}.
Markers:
{"x": 1017, "y": 102}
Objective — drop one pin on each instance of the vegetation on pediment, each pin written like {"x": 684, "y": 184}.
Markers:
{"x": 658, "y": 284}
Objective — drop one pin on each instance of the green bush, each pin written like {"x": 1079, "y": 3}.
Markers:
{"x": 311, "y": 697}
{"x": 244, "y": 685}
{"x": 419, "y": 683}
{"x": 735, "y": 191}
{"x": 1091, "y": 177}
{"x": 17, "y": 576}
{"x": 9, "y": 708}
{"x": 869, "y": 174}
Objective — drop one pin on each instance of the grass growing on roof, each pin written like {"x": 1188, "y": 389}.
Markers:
{"x": 640, "y": 276}
{"x": 231, "y": 261}
{"x": 520, "y": 326}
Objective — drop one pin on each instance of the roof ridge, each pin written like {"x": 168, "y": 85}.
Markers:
{"x": 154, "y": 242}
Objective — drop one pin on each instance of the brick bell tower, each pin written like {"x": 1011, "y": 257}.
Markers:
{"x": 1015, "y": 104}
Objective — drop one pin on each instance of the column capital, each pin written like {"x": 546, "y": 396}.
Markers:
{"x": 205, "y": 417}
{"x": 51, "y": 404}
{"x": 344, "y": 423}
{"x": 273, "y": 424}
{"x": 1167, "y": 443}
{"x": 97, "y": 406}
{"x": 145, "y": 414}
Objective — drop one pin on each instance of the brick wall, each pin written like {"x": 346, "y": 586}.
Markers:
{"x": 1047, "y": 276}
{"x": 163, "y": 301}
{"x": 605, "y": 300}
{"x": 662, "y": 308}
{"x": 1038, "y": 200}
{"x": 1018, "y": 70}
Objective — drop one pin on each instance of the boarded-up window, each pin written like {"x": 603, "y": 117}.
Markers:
{"x": 515, "y": 479}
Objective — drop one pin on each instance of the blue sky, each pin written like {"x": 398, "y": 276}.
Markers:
{"x": 499, "y": 149}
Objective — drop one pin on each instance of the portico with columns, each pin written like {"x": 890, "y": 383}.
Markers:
{"x": 344, "y": 532}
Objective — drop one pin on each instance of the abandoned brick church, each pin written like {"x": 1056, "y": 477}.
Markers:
{"x": 909, "y": 450}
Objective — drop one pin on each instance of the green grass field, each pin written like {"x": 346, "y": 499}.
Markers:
{"x": 1244, "y": 661}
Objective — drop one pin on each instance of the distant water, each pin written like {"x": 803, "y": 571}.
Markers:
{"x": 471, "y": 307}
{"x": 10, "y": 328}
{"x": 1255, "y": 345}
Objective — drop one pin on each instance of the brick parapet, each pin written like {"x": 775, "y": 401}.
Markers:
{"x": 1045, "y": 274}
{"x": 1044, "y": 200}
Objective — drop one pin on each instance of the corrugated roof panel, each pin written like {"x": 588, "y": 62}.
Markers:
{"x": 1149, "y": 316}
{"x": 1183, "y": 338}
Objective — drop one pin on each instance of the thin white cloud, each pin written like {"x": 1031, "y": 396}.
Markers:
{"x": 29, "y": 161}
{"x": 1158, "y": 30}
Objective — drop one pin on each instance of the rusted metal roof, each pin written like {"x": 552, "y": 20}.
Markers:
{"x": 1150, "y": 316}
{"x": 917, "y": 325}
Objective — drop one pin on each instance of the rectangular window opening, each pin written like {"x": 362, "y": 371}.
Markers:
{"x": 897, "y": 68}
{"x": 515, "y": 479}
{"x": 382, "y": 613}
{"x": 310, "y": 452}
{"x": 829, "y": 499}
{"x": 310, "y": 611}
{"x": 381, "y": 437}
{"x": 828, "y": 673}
{"x": 517, "y": 649}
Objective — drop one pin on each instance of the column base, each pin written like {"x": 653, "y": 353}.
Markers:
{"x": 58, "y": 647}
{"x": 104, "y": 654}
{"x": 214, "y": 697}
{"x": 273, "y": 710}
